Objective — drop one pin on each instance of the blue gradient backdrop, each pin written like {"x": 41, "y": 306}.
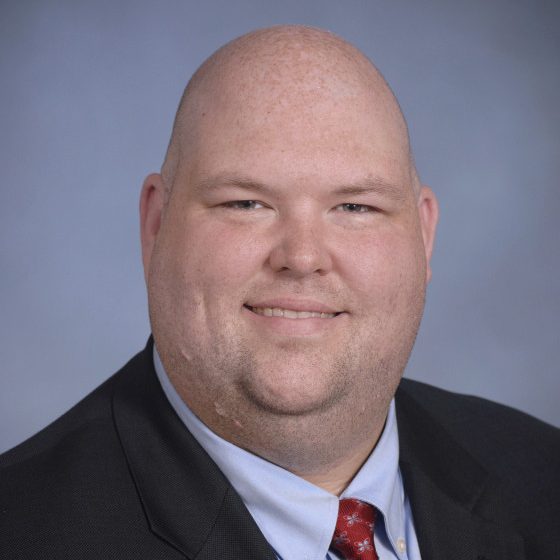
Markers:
{"x": 88, "y": 94}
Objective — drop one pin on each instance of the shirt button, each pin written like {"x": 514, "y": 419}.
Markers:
{"x": 401, "y": 545}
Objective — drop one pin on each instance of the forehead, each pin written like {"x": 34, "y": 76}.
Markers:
{"x": 290, "y": 137}
{"x": 307, "y": 118}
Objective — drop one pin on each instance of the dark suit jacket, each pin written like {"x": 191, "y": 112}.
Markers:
{"x": 119, "y": 477}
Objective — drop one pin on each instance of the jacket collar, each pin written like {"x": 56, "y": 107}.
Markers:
{"x": 187, "y": 500}
{"x": 457, "y": 508}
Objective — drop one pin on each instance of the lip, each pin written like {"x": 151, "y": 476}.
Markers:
{"x": 308, "y": 328}
{"x": 294, "y": 304}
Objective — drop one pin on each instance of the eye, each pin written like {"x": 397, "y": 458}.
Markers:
{"x": 244, "y": 204}
{"x": 354, "y": 208}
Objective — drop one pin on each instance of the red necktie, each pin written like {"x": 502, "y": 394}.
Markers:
{"x": 353, "y": 535}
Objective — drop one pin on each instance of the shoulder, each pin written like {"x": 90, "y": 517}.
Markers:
{"x": 480, "y": 420}
{"x": 78, "y": 430}
{"x": 516, "y": 449}
{"x": 69, "y": 485}
{"x": 90, "y": 417}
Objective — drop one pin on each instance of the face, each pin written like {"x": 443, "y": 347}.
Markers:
{"x": 287, "y": 270}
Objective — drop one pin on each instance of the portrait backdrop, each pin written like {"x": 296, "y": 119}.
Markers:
{"x": 89, "y": 91}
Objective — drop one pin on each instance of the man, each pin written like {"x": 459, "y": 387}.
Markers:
{"x": 286, "y": 247}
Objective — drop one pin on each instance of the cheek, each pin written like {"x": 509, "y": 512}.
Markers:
{"x": 385, "y": 267}
{"x": 215, "y": 260}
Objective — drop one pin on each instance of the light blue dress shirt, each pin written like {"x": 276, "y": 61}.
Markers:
{"x": 296, "y": 517}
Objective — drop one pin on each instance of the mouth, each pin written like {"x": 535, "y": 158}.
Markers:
{"x": 291, "y": 313}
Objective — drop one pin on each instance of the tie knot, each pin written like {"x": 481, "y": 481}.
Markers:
{"x": 353, "y": 535}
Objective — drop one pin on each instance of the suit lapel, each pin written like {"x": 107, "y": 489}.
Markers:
{"x": 454, "y": 502}
{"x": 187, "y": 500}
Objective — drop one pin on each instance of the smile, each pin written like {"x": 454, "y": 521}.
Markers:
{"x": 290, "y": 313}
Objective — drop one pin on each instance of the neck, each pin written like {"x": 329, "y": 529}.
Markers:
{"x": 320, "y": 453}
{"x": 337, "y": 477}
{"x": 326, "y": 448}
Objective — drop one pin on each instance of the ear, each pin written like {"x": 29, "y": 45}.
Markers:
{"x": 428, "y": 211}
{"x": 152, "y": 200}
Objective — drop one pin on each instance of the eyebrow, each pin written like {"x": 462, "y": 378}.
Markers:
{"x": 368, "y": 185}
{"x": 221, "y": 181}
{"x": 374, "y": 185}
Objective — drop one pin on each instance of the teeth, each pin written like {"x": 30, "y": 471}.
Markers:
{"x": 290, "y": 313}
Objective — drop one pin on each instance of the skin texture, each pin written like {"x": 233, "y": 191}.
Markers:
{"x": 288, "y": 183}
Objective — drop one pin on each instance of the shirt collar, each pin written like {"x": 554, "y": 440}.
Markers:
{"x": 294, "y": 515}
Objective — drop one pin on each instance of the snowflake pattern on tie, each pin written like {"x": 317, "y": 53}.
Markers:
{"x": 353, "y": 535}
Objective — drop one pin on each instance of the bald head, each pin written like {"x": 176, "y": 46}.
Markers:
{"x": 288, "y": 73}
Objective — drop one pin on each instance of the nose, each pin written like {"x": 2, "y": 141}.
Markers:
{"x": 301, "y": 248}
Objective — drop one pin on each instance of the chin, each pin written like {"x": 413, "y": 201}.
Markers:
{"x": 291, "y": 395}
